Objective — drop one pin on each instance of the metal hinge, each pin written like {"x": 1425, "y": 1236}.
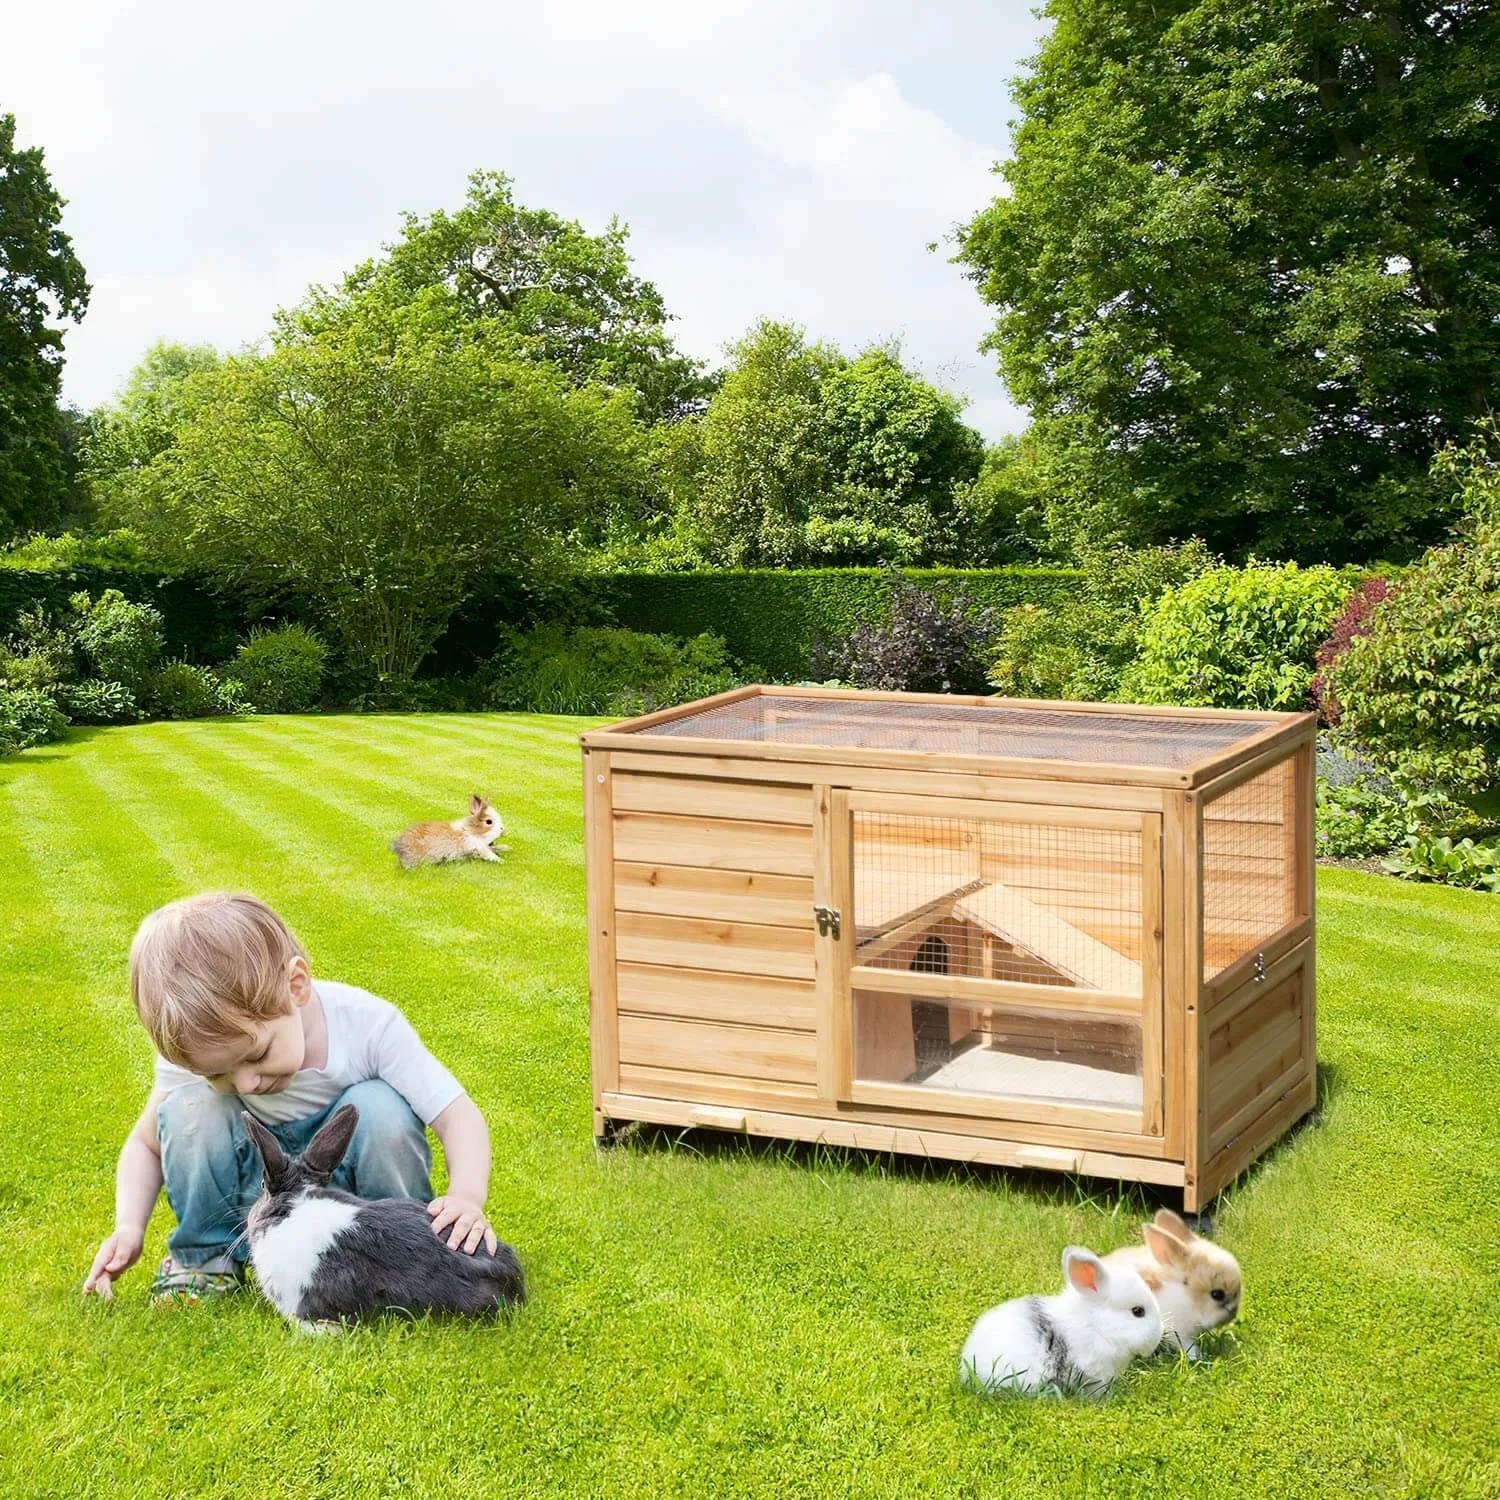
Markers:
{"x": 828, "y": 921}
{"x": 1260, "y": 967}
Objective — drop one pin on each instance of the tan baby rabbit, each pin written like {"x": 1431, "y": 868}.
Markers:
{"x": 1196, "y": 1282}
{"x": 464, "y": 838}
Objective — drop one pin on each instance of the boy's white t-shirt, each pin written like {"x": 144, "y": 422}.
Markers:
{"x": 367, "y": 1038}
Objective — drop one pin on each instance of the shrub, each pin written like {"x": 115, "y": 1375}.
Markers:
{"x": 1237, "y": 638}
{"x": 605, "y": 671}
{"x": 95, "y": 702}
{"x": 772, "y": 617}
{"x": 182, "y": 691}
{"x": 1079, "y": 645}
{"x": 38, "y": 654}
{"x": 928, "y": 644}
{"x": 282, "y": 669}
{"x": 114, "y": 549}
{"x": 1465, "y": 863}
{"x": 230, "y": 696}
{"x": 27, "y": 717}
{"x": 1355, "y": 621}
{"x": 1421, "y": 690}
{"x": 121, "y": 640}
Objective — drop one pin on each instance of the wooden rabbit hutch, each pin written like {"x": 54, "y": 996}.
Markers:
{"x": 1076, "y": 936}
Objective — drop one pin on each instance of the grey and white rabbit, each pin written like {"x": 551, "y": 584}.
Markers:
{"x": 1077, "y": 1341}
{"x": 322, "y": 1255}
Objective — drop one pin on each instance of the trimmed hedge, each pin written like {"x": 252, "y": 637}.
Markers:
{"x": 770, "y": 618}
{"x": 199, "y": 624}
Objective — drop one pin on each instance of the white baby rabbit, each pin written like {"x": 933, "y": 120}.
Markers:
{"x": 465, "y": 838}
{"x": 1196, "y": 1282}
{"x": 1078, "y": 1340}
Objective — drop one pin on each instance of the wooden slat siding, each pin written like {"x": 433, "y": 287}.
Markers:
{"x": 713, "y": 843}
{"x": 729, "y": 947}
{"x": 987, "y": 786}
{"x": 718, "y": 1089}
{"x": 1255, "y": 1050}
{"x": 870, "y": 1135}
{"x": 712, "y": 1047}
{"x": 1280, "y": 1072}
{"x": 604, "y": 1055}
{"x": 721, "y": 895}
{"x": 685, "y": 747}
{"x": 701, "y": 995}
{"x": 1252, "y": 1142}
{"x": 693, "y": 796}
{"x": 1273, "y": 1014}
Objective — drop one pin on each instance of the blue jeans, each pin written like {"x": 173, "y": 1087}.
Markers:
{"x": 212, "y": 1169}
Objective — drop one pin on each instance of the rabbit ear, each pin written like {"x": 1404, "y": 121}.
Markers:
{"x": 1167, "y": 1248}
{"x": 1084, "y": 1271}
{"x": 476, "y": 804}
{"x": 272, "y": 1157}
{"x": 1166, "y": 1219}
{"x": 327, "y": 1147}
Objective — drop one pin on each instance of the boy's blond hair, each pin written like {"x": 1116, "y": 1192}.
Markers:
{"x": 204, "y": 969}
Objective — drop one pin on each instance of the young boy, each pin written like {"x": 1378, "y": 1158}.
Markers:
{"x": 224, "y": 990}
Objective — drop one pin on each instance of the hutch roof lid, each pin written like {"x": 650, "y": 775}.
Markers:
{"x": 1004, "y": 729}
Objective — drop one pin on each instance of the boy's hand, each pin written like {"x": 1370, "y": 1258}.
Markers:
{"x": 116, "y": 1256}
{"x": 469, "y": 1223}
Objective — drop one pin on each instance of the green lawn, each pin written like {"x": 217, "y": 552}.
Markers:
{"x": 704, "y": 1319}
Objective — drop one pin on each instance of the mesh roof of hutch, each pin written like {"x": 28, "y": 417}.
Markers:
{"x": 996, "y": 729}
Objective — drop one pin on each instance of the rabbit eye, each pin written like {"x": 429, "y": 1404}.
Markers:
{"x": 1138, "y": 1311}
{"x": 1217, "y": 1294}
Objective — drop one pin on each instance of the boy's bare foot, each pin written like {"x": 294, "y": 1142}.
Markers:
{"x": 179, "y": 1283}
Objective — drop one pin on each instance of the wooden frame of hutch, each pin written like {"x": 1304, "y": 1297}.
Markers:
{"x": 1033, "y": 934}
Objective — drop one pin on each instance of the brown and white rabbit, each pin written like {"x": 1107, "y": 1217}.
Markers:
{"x": 464, "y": 838}
{"x": 322, "y": 1255}
{"x": 1076, "y": 1341}
{"x": 1197, "y": 1283}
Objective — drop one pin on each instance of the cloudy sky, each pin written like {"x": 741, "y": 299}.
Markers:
{"x": 786, "y": 158}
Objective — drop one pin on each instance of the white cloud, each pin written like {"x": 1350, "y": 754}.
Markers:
{"x": 787, "y": 158}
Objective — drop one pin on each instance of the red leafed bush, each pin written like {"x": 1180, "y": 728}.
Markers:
{"x": 1355, "y": 621}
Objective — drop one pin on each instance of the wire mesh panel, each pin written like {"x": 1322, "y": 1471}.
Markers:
{"x": 989, "y": 729}
{"x": 1249, "y": 884}
{"x": 973, "y": 905}
{"x": 1030, "y": 902}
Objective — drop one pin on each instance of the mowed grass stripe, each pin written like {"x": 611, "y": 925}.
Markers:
{"x": 543, "y": 798}
{"x": 424, "y": 935}
{"x": 708, "y": 1319}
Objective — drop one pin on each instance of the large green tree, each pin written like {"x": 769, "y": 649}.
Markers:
{"x": 381, "y": 466}
{"x": 806, "y": 457}
{"x": 125, "y": 436}
{"x": 560, "y": 295}
{"x": 1248, "y": 266}
{"x": 41, "y": 281}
